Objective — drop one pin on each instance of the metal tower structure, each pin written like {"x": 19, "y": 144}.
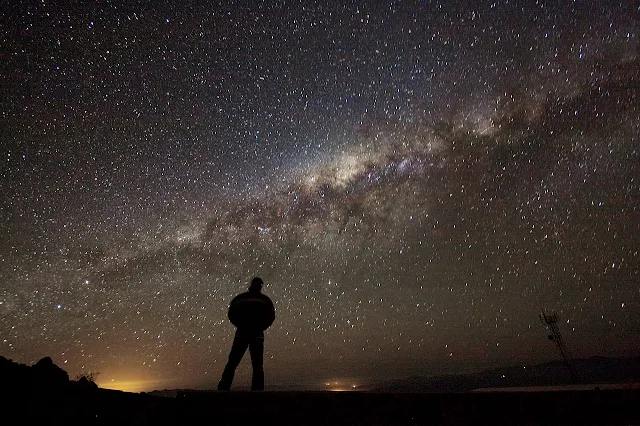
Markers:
{"x": 551, "y": 321}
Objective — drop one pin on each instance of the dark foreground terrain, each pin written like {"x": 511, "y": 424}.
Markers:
{"x": 43, "y": 394}
{"x": 326, "y": 408}
{"x": 106, "y": 407}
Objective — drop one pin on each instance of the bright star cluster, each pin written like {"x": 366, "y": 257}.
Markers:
{"x": 414, "y": 181}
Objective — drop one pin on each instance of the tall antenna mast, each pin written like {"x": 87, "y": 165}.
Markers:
{"x": 551, "y": 321}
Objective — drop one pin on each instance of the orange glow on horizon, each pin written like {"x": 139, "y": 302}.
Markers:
{"x": 126, "y": 385}
{"x": 134, "y": 384}
{"x": 341, "y": 386}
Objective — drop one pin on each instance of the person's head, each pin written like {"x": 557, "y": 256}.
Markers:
{"x": 256, "y": 285}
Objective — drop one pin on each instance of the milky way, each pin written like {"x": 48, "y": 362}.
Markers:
{"x": 414, "y": 182}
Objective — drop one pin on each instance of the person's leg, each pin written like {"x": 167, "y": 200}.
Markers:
{"x": 238, "y": 349}
{"x": 256, "y": 349}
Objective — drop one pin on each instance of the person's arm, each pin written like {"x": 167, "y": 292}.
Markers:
{"x": 272, "y": 313}
{"x": 232, "y": 314}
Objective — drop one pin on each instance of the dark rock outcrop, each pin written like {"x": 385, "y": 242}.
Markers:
{"x": 48, "y": 376}
{"x": 19, "y": 381}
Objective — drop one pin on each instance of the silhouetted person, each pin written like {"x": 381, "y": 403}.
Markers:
{"x": 252, "y": 313}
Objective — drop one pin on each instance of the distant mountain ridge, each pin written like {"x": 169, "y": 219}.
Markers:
{"x": 594, "y": 370}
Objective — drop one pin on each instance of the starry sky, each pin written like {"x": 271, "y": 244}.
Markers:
{"x": 414, "y": 181}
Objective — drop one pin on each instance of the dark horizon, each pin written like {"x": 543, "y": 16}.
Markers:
{"x": 595, "y": 373}
{"x": 415, "y": 183}
{"x": 69, "y": 402}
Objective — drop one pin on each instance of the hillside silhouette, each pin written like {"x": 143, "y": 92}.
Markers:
{"x": 43, "y": 394}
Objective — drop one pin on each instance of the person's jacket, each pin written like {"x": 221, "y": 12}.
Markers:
{"x": 251, "y": 312}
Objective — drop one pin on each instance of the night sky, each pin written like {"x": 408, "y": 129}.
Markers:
{"x": 414, "y": 181}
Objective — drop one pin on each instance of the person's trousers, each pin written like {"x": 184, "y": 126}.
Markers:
{"x": 239, "y": 347}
